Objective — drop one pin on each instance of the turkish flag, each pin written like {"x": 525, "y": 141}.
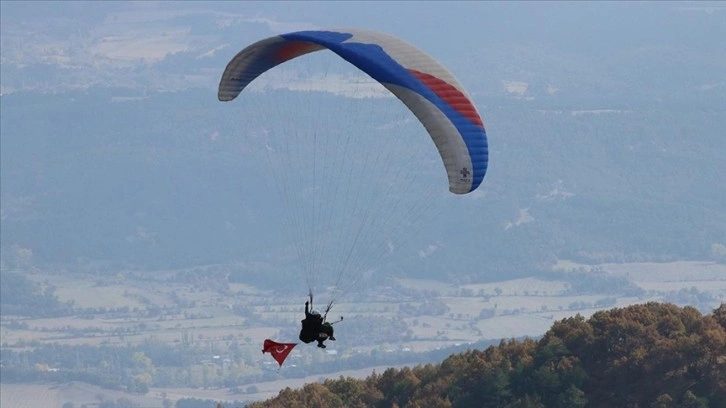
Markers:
{"x": 279, "y": 351}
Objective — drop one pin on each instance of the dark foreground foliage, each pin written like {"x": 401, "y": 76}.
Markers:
{"x": 649, "y": 355}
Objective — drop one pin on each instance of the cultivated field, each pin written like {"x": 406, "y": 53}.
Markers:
{"x": 464, "y": 314}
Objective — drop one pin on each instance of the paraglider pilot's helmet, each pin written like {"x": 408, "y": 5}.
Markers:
{"x": 314, "y": 312}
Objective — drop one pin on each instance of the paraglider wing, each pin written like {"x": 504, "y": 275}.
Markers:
{"x": 425, "y": 86}
{"x": 279, "y": 351}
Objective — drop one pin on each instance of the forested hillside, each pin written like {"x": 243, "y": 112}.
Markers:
{"x": 648, "y": 355}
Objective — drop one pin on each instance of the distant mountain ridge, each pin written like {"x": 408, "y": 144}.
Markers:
{"x": 608, "y": 154}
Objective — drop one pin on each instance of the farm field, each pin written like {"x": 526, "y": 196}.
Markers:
{"x": 429, "y": 315}
{"x": 52, "y": 395}
{"x": 520, "y": 307}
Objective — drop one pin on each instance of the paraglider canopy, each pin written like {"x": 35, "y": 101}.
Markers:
{"x": 352, "y": 182}
{"x": 423, "y": 84}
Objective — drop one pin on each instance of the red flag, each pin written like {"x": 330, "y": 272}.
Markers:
{"x": 279, "y": 351}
